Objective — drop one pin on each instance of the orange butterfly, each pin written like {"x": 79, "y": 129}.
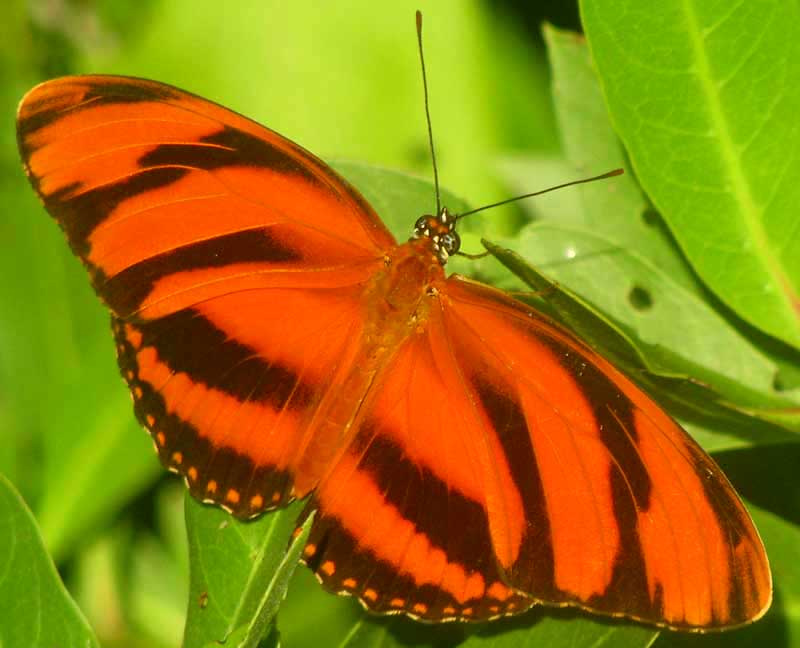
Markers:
{"x": 467, "y": 457}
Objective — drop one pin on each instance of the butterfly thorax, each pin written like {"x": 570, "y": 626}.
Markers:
{"x": 410, "y": 269}
{"x": 398, "y": 297}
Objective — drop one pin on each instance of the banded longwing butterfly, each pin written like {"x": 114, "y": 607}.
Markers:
{"x": 467, "y": 457}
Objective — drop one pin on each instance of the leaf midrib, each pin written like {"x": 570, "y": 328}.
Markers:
{"x": 739, "y": 183}
{"x": 240, "y": 615}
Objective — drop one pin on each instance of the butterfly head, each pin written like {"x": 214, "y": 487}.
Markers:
{"x": 441, "y": 231}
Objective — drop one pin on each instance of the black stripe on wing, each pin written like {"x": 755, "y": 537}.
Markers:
{"x": 187, "y": 342}
{"x": 127, "y": 290}
{"x": 212, "y": 472}
{"x": 342, "y": 565}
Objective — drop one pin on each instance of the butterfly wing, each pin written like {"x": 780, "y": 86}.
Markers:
{"x": 497, "y": 461}
{"x": 223, "y": 251}
{"x": 625, "y": 513}
{"x": 501, "y": 457}
{"x": 402, "y": 520}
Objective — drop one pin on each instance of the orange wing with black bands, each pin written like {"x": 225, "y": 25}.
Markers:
{"x": 212, "y": 239}
{"x": 403, "y": 521}
{"x": 501, "y": 463}
{"x": 495, "y": 462}
{"x": 626, "y": 515}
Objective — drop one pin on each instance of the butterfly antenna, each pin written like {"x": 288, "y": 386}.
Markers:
{"x": 428, "y": 112}
{"x": 610, "y": 174}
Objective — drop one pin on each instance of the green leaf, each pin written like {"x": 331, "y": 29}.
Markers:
{"x": 239, "y": 573}
{"x": 275, "y": 592}
{"x": 705, "y": 96}
{"x": 610, "y": 248}
{"x": 35, "y": 608}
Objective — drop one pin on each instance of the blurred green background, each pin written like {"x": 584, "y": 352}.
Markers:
{"x": 343, "y": 80}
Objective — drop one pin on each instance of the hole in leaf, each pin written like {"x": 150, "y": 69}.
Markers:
{"x": 787, "y": 378}
{"x": 651, "y": 217}
{"x": 640, "y": 298}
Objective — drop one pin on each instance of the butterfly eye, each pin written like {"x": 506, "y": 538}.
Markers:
{"x": 450, "y": 243}
{"x": 421, "y": 226}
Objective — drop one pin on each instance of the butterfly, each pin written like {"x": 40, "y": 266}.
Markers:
{"x": 467, "y": 457}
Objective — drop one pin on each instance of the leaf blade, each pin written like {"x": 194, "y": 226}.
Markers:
{"x": 710, "y": 128}
{"x": 239, "y": 573}
{"x": 35, "y": 608}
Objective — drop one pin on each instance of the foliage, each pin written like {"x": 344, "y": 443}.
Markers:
{"x": 687, "y": 266}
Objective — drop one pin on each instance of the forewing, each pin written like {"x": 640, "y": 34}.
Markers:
{"x": 624, "y": 513}
{"x": 226, "y": 253}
